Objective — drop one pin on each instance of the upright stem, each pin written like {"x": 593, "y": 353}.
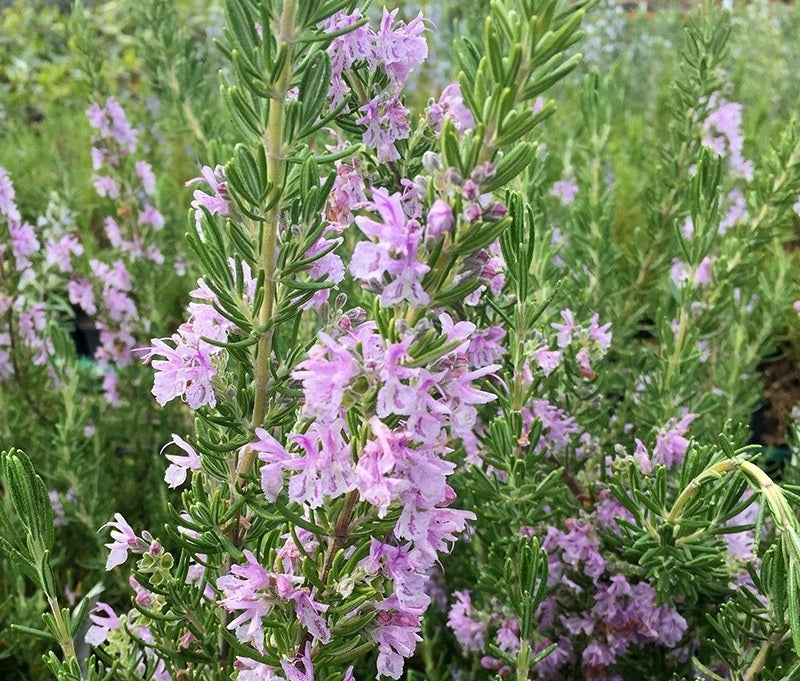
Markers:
{"x": 276, "y": 167}
{"x": 273, "y": 144}
{"x": 757, "y": 664}
{"x": 64, "y": 637}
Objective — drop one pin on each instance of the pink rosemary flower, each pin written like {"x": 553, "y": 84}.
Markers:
{"x": 565, "y": 190}
{"x": 104, "y": 620}
{"x": 215, "y": 203}
{"x": 144, "y": 171}
{"x": 469, "y": 630}
{"x": 671, "y": 443}
{"x": 7, "y": 206}
{"x": 397, "y": 634}
{"x": 106, "y": 186}
{"x": 392, "y": 254}
{"x": 401, "y": 47}
{"x": 450, "y": 105}
{"x": 722, "y": 133}
{"x": 180, "y": 465}
{"x": 185, "y": 371}
{"x": 386, "y": 122}
{"x": 124, "y": 540}
{"x": 244, "y": 589}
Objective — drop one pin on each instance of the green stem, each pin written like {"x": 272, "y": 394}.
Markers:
{"x": 770, "y": 491}
{"x": 677, "y": 352}
{"x": 276, "y": 167}
{"x": 64, "y": 638}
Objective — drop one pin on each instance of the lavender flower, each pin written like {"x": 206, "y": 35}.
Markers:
{"x": 386, "y": 122}
{"x": 124, "y": 540}
{"x": 180, "y": 465}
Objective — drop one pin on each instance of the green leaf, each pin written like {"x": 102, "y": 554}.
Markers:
{"x": 510, "y": 165}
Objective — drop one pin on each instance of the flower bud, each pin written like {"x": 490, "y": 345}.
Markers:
{"x": 453, "y": 178}
{"x": 440, "y": 219}
{"x": 473, "y": 213}
{"x": 496, "y": 211}
{"x": 469, "y": 191}
{"x": 483, "y": 172}
{"x": 432, "y": 162}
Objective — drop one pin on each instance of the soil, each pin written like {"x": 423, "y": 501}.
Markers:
{"x": 781, "y": 393}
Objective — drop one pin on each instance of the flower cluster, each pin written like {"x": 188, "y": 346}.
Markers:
{"x": 722, "y": 133}
{"x": 395, "y": 49}
{"x": 186, "y": 363}
{"x": 22, "y": 309}
{"x": 399, "y": 470}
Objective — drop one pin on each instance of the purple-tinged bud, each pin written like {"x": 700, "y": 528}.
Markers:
{"x": 473, "y": 213}
{"x": 496, "y": 211}
{"x": 483, "y": 172}
{"x": 155, "y": 548}
{"x": 453, "y": 177}
{"x": 186, "y": 640}
{"x": 440, "y": 219}
{"x": 432, "y": 162}
{"x": 435, "y": 115}
{"x": 143, "y": 599}
{"x": 469, "y": 191}
{"x": 352, "y": 318}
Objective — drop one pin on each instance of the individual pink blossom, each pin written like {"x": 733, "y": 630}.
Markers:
{"x": 124, "y": 540}
{"x": 565, "y": 190}
{"x": 600, "y": 334}
{"x": 106, "y": 186}
{"x": 565, "y": 330}
{"x": 642, "y": 458}
{"x": 548, "y": 360}
{"x": 151, "y": 216}
{"x": 80, "y": 293}
{"x": 329, "y": 268}
{"x": 386, "y": 122}
{"x": 325, "y": 375}
{"x": 558, "y": 428}
{"x": 401, "y": 47}
{"x": 186, "y": 370}
{"x": 671, "y": 443}
{"x": 394, "y": 253}
{"x": 147, "y": 177}
{"x": 397, "y": 635}
{"x": 309, "y": 613}
{"x": 7, "y": 206}
{"x": 180, "y": 465}
{"x": 23, "y": 243}
{"x": 59, "y": 253}
{"x": 275, "y": 460}
{"x": 244, "y": 589}
{"x": 104, "y": 620}
{"x": 469, "y": 630}
{"x": 348, "y": 49}
{"x": 324, "y": 468}
{"x": 702, "y": 275}
{"x": 450, "y": 105}
{"x": 348, "y": 194}
{"x": 215, "y": 203}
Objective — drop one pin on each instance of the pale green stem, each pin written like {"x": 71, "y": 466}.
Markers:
{"x": 276, "y": 167}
